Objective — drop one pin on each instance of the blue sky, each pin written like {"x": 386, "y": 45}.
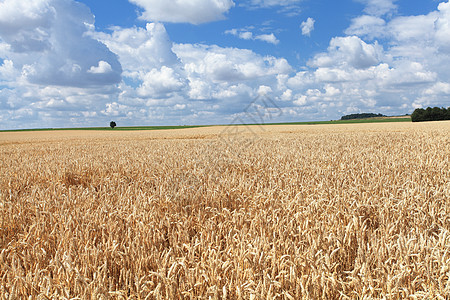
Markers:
{"x": 73, "y": 63}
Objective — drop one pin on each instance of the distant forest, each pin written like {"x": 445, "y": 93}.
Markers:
{"x": 430, "y": 114}
{"x": 361, "y": 116}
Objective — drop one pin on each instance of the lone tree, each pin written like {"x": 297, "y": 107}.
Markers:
{"x": 112, "y": 124}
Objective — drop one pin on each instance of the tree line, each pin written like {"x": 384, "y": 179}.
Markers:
{"x": 361, "y": 116}
{"x": 430, "y": 114}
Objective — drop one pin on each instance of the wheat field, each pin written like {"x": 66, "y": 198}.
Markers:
{"x": 357, "y": 211}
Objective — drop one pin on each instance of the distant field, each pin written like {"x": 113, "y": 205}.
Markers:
{"x": 342, "y": 211}
{"x": 369, "y": 120}
{"x": 354, "y": 121}
{"x": 108, "y": 128}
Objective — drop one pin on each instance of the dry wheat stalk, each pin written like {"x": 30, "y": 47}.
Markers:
{"x": 323, "y": 212}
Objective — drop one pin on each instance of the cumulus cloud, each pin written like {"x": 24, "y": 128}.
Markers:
{"x": 184, "y": 11}
{"x": 103, "y": 67}
{"x": 152, "y": 69}
{"x": 349, "y": 51}
{"x": 140, "y": 50}
{"x": 8, "y": 71}
{"x": 442, "y": 26}
{"x": 24, "y": 25}
{"x": 289, "y": 8}
{"x": 271, "y": 3}
{"x": 439, "y": 88}
{"x": 160, "y": 75}
{"x": 47, "y": 41}
{"x": 228, "y": 64}
{"x": 245, "y": 34}
{"x": 407, "y": 72}
{"x": 379, "y": 7}
{"x": 410, "y": 28}
{"x": 307, "y": 26}
{"x": 269, "y": 38}
{"x": 286, "y": 95}
{"x": 54, "y": 76}
{"x": 157, "y": 83}
{"x": 228, "y": 74}
{"x": 51, "y": 70}
{"x": 354, "y": 75}
{"x": 370, "y": 27}
{"x": 301, "y": 100}
{"x": 264, "y": 90}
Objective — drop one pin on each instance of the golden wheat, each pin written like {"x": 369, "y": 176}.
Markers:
{"x": 276, "y": 212}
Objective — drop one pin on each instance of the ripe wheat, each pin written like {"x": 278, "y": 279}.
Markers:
{"x": 276, "y": 212}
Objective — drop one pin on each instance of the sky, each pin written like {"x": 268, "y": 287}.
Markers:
{"x": 67, "y": 63}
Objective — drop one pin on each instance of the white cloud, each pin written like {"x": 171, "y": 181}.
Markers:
{"x": 52, "y": 68}
{"x": 24, "y": 24}
{"x": 287, "y": 95}
{"x": 248, "y": 35}
{"x": 228, "y": 64}
{"x": 102, "y": 68}
{"x": 184, "y": 11}
{"x": 331, "y": 91}
{"x": 287, "y": 7}
{"x": 53, "y": 76}
{"x": 353, "y": 75}
{"x": 367, "y": 26}
{"x": 161, "y": 74}
{"x": 148, "y": 60}
{"x": 8, "y": 72}
{"x": 48, "y": 43}
{"x": 439, "y": 88}
{"x": 114, "y": 109}
{"x": 349, "y": 51}
{"x": 379, "y": 7}
{"x": 157, "y": 83}
{"x": 442, "y": 26}
{"x": 140, "y": 48}
{"x": 300, "y": 80}
{"x": 264, "y": 90}
{"x": 271, "y": 3}
{"x": 199, "y": 89}
{"x": 307, "y": 26}
{"x": 405, "y": 29}
{"x": 301, "y": 100}
{"x": 407, "y": 72}
{"x": 269, "y": 38}
{"x": 408, "y": 31}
